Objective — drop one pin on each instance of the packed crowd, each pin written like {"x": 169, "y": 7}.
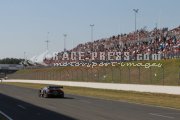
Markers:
{"x": 158, "y": 41}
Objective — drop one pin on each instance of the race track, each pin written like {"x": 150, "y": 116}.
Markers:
{"x": 24, "y": 104}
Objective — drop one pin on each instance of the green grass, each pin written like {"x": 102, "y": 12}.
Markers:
{"x": 168, "y": 75}
{"x": 165, "y": 100}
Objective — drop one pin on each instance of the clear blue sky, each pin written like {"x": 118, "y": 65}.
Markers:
{"x": 24, "y": 24}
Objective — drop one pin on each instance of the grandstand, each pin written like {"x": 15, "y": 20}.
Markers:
{"x": 158, "y": 41}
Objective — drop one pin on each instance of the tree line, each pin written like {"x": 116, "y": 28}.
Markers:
{"x": 11, "y": 61}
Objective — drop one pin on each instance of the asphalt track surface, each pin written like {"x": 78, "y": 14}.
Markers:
{"x": 24, "y": 104}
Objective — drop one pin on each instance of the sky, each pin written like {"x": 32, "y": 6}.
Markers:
{"x": 25, "y": 25}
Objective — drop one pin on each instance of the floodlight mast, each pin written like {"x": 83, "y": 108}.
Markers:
{"x": 92, "y": 30}
{"x": 24, "y": 55}
{"x": 47, "y": 41}
{"x": 135, "y": 14}
{"x": 65, "y": 35}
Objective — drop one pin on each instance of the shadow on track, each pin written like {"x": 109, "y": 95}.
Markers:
{"x": 20, "y": 110}
{"x": 71, "y": 98}
{"x": 68, "y": 98}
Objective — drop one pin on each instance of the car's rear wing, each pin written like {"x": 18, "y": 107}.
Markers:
{"x": 55, "y": 87}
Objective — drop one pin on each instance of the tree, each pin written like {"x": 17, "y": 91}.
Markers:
{"x": 11, "y": 61}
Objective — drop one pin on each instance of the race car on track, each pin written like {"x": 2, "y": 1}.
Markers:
{"x": 51, "y": 91}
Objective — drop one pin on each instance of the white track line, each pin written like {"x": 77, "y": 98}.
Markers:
{"x": 5, "y": 115}
{"x": 159, "y": 115}
{"x": 51, "y": 107}
{"x": 21, "y": 107}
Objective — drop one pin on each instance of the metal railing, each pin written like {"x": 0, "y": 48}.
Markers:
{"x": 109, "y": 74}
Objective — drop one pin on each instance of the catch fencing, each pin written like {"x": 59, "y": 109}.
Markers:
{"x": 118, "y": 74}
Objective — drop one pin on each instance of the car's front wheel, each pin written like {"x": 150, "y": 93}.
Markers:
{"x": 45, "y": 95}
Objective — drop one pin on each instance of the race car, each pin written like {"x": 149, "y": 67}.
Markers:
{"x": 51, "y": 91}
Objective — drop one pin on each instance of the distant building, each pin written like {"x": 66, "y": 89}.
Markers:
{"x": 10, "y": 68}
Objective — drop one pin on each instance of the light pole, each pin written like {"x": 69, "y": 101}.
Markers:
{"x": 47, "y": 41}
{"x": 135, "y": 13}
{"x": 24, "y": 56}
{"x": 65, "y": 35}
{"x": 92, "y": 25}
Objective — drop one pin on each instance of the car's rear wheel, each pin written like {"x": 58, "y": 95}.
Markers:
{"x": 40, "y": 95}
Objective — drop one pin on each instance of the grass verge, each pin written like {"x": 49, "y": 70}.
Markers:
{"x": 164, "y": 100}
